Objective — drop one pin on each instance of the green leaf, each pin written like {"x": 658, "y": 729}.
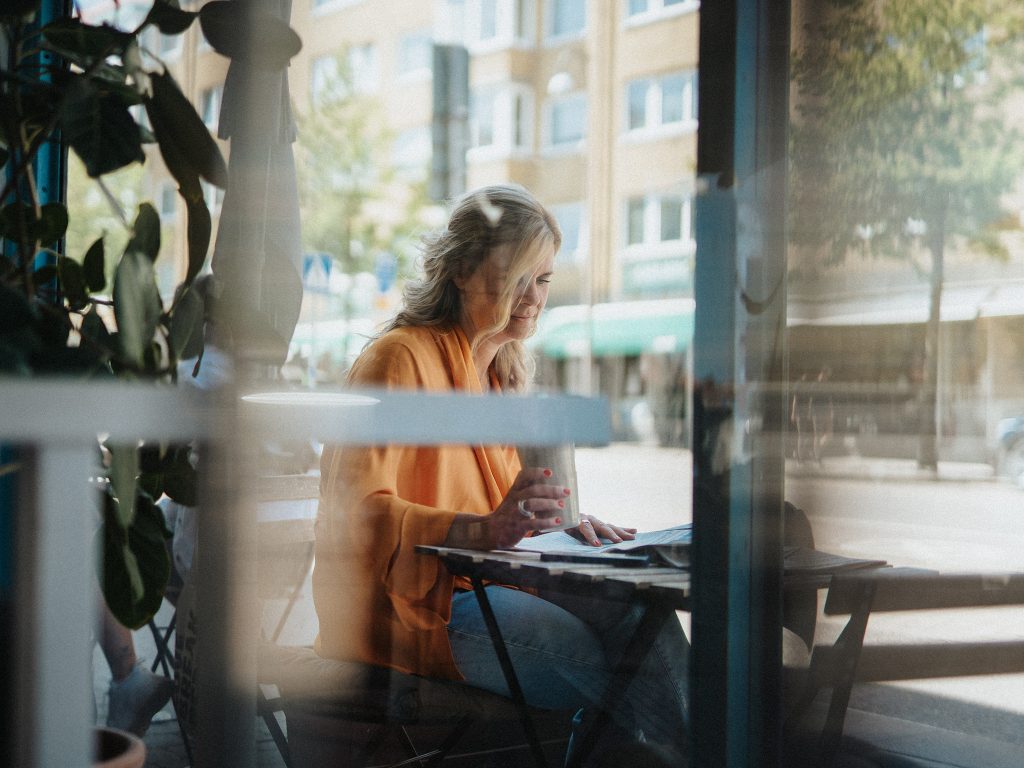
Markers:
{"x": 199, "y": 229}
{"x": 18, "y": 220}
{"x": 180, "y": 477}
{"x": 136, "y": 564}
{"x": 94, "y": 328}
{"x": 137, "y": 305}
{"x": 124, "y": 468}
{"x": 186, "y": 322}
{"x": 15, "y": 311}
{"x": 94, "y": 267}
{"x": 269, "y": 43}
{"x": 43, "y": 276}
{"x": 99, "y": 127}
{"x": 72, "y": 282}
{"x": 53, "y": 223}
{"x": 188, "y": 149}
{"x": 82, "y": 43}
{"x": 19, "y": 9}
{"x": 170, "y": 19}
{"x": 146, "y": 232}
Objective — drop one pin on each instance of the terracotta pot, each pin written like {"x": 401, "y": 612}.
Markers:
{"x": 117, "y": 749}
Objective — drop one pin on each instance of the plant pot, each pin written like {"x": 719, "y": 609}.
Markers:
{"x": 117, "y": 749}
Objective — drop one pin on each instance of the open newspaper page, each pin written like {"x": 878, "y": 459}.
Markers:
{"x": 669, "y": 545}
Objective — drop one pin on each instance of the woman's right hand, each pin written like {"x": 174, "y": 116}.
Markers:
{"x": 532, "y": 504}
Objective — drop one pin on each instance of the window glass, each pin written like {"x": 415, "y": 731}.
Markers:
{"x": 568, "y": 17}
{"x": 415, "y": 52}
{"x": 488, "y": 19}
{"x": 637, "y": 6}
{"x": 568, "y": 120}
{"x": 570, "y": 219}
{"x": 482, "y": 118}
{"x": 637, "y": 102}
{"x": 635, "y": 231}
{"x": 209, "y": 108}
{"x": 672, "y": 106}
{"x": 671, "y": 218}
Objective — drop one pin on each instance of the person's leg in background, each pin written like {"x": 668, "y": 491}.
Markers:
{"x": 136, "y": 694}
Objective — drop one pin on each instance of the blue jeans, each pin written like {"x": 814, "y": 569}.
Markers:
{"x": 564, "y": 649}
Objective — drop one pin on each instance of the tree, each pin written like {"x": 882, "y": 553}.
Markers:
{"x": 353, "y": 203}
{"x": 901, "y": 147}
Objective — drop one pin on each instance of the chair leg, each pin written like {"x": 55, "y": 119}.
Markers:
{"x": 162, "y": 641}
{"x": 266, "y": 709}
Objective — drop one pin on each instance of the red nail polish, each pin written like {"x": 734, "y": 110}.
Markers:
{"x": 558, "y": 521}
{"x": 566, "y": 491}
{"x": 547, "y": 473}
{"x": 561, "y": 504}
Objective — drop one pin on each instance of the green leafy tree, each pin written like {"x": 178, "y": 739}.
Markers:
{"x": 353, "y": 204}
{"x": 902, "y": 146}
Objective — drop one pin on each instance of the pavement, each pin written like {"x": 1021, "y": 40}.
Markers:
{"x": 887, "y": 725}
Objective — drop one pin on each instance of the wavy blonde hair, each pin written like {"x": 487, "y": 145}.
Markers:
{"x": 502, "y": 215}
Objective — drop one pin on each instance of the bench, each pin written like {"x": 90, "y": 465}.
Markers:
{"x": 850, "y": 660}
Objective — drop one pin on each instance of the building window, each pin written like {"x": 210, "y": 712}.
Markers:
{"x": 572, "y": 221}
{"x": 496, "y": 24}
{"x": 209, "y": 106}
{"x": 670, "y": 100}
{"x": 567, "y": 121}
{"x": 411, "y": 151}
{"x": 213, "y": 196}
{"x": 323, "y": 80}
{"x": 643, "y": 11}
{"x": 566, "y": 18}
{"x": 362, "y": 64}
{"x": 500, "y": 118}
{"x": 659, "y": 219}
{"x": 170, "y": 46}
{"x": 321, "y": 7}
{"x": 481, "y": 118}
{"x": 415, "y": 54}
{"x": 168, "y": 201}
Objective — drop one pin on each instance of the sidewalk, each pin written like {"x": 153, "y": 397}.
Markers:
{"x": 877, "y": 469}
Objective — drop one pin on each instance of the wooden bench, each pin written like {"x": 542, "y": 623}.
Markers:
{"x": 850, "y": 660}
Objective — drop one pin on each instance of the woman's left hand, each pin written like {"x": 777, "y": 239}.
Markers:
{"x": 591, "y": 531}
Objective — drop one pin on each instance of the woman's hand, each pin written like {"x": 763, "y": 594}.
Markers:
{"x": 532, "y": 504}
{"x": 591, "y": 531}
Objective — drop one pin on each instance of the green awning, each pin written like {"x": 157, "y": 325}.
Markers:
{"x": 617, "y": 328}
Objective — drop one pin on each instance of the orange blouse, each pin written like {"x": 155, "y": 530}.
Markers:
{"x": 376, "y": 599}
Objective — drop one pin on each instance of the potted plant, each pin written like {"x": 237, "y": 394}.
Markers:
{"x": 73, "y": 85}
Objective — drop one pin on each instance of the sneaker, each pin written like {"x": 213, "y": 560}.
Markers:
{"x": 134, "y": 700}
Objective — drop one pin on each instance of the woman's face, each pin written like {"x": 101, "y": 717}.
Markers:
{"x": 482, "y": 290}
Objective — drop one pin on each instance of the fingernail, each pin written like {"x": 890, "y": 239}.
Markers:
{"x": 561, "y": 504}
{"x": 558, "y": 521}
{"x": 547, "y": 473}
{"x": 566, "y": 491}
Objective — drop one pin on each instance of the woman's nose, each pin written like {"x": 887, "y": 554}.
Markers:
{"x": 531, "y": 295}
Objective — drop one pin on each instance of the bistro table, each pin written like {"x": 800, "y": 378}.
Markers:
{"x": 660, "y": 590}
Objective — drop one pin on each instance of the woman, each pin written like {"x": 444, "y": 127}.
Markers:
{"x": 462, "y": 327}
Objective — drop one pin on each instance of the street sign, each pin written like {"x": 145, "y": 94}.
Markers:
{"x": 316, "y": 272}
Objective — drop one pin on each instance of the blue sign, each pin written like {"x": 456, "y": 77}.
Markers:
{"x": 386, "y": 270}
{"x": 316, "y": 272}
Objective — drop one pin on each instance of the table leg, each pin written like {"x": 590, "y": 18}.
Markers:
{"x": 509, "y": 671}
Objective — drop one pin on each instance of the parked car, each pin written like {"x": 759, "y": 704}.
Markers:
{"x": 1009, "y": 459}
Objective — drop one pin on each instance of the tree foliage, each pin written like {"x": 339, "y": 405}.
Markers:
{"x": 354, "y": 204}
{"x": 902, "y": 121}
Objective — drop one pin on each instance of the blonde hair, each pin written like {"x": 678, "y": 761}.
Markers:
{"x": 502, "y": 215}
